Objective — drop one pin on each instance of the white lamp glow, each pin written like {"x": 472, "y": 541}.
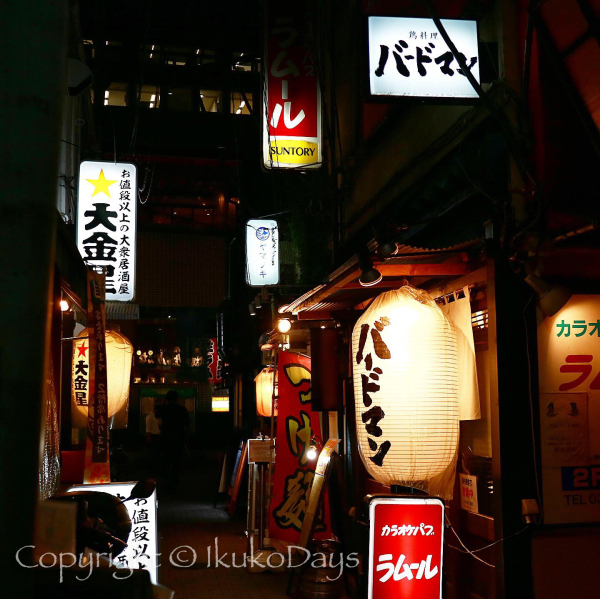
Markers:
{"x": 119, "y": 353}
{"x": 406, "y": 388}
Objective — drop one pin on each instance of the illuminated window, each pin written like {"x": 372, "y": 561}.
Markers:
{"x": 152, "y": 52}
{"x": 239, "y": 105}
{"x": 210, "y": 100}
{"x": 149, "y": 96}
{"x": 204, "y": 56}
{"x": 116, "y": 94}
{"x": 241, "y": 62}
{"x": 176, "y": 56}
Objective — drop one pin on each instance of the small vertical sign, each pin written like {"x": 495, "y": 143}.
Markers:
{"x": 106, "y": 223}
{"x": 97, "y": 466}
{"x": 292, "y": 116}
{"x": 406, "y": 541}
{"x": 468, "y": 493}
{"x": 262, "y": 252}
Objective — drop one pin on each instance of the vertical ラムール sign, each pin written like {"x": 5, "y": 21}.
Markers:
{"x": 97, "y": 466}
{"x": 292, "y": 115}
{"x": 106, "y": 223}
{"x": 262, "y": 252}
{"x": 406, "y": 541}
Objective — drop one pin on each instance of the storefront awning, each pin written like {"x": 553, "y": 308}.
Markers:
{"x": 342, "y": 292}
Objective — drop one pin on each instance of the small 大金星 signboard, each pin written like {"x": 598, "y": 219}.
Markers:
{"x": 261, "y": 451}
{"x": 406, "y": 540}
{"x": 409, "y": 57}
{"x": 468, "y": 493}
{"x": 262, "y": 252}
{"x": 142, "y": 545}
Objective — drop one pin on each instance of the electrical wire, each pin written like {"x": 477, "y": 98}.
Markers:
{"x": 531, "y": 411}
{"x": 474, "y": 551}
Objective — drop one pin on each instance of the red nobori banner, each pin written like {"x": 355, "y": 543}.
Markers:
{"x": 294, "y": 472}
{"x": 292, "y": 117}
{"x": 97, "y": 465}
{"x": 214, "y": 362}
{"x": 406, "y": 540}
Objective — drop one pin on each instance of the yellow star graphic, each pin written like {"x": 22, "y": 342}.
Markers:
{"x": 101, "y": 184}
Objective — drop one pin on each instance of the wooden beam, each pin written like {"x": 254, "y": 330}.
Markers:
{"x": 444, "y": 269}
{"x": 331, "y": 288}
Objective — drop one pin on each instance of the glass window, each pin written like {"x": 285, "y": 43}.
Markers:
{"x": 241, "y": 62}
{"x": 203, "y": 216}
{"x": 152, "y": 52}
{"x": 211, "y": 100}
{"x": 116, "y": 94}
{"x": 88, "y": 48}
{"x": 239, "y": 105}
{"x": 205, "y": 56}
{"x": 180, "y": 98}
{"x": 149, "y": 96}
{"x": 182, "y": 216}
{"x": 176, "y": 56}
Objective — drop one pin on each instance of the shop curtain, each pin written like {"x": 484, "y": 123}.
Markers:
{"x": 459, "y": 312}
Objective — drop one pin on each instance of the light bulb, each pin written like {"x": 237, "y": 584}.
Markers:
{"x": 311, "y": 454}
{"x": 64, "y": 305}
{"x": 284, "y": 325}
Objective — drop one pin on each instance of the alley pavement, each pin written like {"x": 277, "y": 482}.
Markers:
{"x": 189, "y": 524}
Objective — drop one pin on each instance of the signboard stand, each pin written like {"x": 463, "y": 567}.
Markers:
{"x": 328, "y": 462}
{"x": 236, "y": 478}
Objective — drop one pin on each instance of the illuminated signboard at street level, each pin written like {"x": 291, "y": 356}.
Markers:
{"x": 142, "y": 545}
{"x": 406, "y": 540}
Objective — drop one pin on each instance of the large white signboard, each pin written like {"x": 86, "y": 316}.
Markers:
{"x": 408, "y": 57}
{"x": 262, "y": 252}
{"x": 106, "y": 223}
{"x": 142, "y": 545}
{"x": 569, "y": 366}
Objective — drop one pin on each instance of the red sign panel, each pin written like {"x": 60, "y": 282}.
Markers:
{"x": 292, "y": 124}
{"x": 294, "y": 471}
{"x": 405, "y": 548}
{"x": 97, "y": 467}
{"x": 214, "y": 362}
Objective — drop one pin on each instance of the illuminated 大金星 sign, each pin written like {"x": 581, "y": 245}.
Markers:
{"x": 106, "y": 223}
{"x": 409, "y": 57}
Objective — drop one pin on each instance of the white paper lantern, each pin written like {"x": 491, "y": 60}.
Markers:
{"x": 406, "y": 388}
{"x": 119, "y": 354}
{"x": 264, "y": 392}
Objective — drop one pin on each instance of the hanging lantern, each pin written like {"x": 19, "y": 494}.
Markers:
{"x": 406, "y": 390}
{"x": 119, "y": 353}
{"x": 264, "y": 392}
